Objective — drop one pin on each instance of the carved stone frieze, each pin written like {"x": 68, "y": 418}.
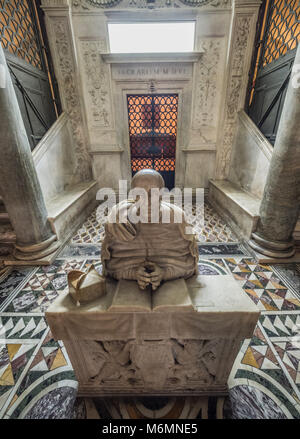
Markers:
{"x": 70, "y": 95}
{"x": 147, "y": 4}
{"x": 96, "y": 81}
{"x": 152, "y": 364}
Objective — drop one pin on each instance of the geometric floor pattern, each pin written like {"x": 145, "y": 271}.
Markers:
{"x": 263, "y": 286}
{"x": 207, "y": 224}
{"x": 37, "y": 379}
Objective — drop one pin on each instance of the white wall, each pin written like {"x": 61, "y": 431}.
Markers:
{"x": 54, "y": 159}
{"x": 251, "y": 157}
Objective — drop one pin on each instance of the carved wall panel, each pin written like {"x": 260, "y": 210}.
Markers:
{"x": 236, "y": 88}
{"x": 208, "y": 90}
{"x": 96, "y": 84}
{"x": 65, "y": 71}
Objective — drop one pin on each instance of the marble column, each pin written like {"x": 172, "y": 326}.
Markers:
{"x": 279, "y": 208}
{"x": 19, "y": 184}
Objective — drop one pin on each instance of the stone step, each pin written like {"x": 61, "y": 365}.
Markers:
{"x": 7, "y": 234}
{"x": 6, "y": 250}
{"x": 4, "y": 218}
{"x": 239, "y": 208}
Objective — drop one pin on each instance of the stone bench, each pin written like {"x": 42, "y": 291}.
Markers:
{"x": 238, "y": 206}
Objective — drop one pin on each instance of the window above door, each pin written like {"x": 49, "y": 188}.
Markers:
{"x": 160, "y": 37}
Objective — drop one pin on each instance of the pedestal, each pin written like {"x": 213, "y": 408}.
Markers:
{"x": 184, "y": 352}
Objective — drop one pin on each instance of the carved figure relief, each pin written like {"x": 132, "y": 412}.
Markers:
{"x": 153, "y": 364}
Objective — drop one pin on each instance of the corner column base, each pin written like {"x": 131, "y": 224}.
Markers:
{"x": 44, "y": 257}
{"x": 268, "y": 251}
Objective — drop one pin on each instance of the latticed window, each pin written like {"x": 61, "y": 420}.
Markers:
{"x": 283, "y": 29}
{"x": 278, "y": 34}
{"x": 153, "y": 131}
{"x": 18, "y": 31}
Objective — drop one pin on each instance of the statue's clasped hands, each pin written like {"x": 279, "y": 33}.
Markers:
{"x": 149, "y": 274}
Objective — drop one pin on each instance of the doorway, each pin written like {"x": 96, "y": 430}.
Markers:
{"x": 152, "y": 121}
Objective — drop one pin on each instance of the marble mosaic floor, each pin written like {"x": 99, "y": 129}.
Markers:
{"x": 208, "y": 226}
{"x": 36, "y": 377}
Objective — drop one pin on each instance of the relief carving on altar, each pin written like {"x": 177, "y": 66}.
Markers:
{"x": 155, "y": 364}
{"x": 96, "y": 81}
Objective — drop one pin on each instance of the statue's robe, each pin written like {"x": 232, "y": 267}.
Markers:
{"x": 126, "y": 246}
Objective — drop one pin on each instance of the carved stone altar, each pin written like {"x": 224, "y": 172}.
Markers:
{"x": 171, "y": 350}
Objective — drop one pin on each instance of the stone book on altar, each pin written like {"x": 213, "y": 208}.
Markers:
{"x": 170, "y": 296}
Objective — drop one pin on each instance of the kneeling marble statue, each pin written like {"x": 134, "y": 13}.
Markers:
{"x": 148, "y": 252}
{"x": 181, "y": 339}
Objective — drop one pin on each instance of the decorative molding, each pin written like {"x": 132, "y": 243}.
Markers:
{"x": 96, "y": 81}
{"x": 85, "y": 5}
{"x": 200, "y": 149}
{"x": 55, "y": 3}
{"x": 128, "y": 58}
{"x": 197, "y": 3}
{"x": 65, "y": 69}
{"x": 237, "y": 82}
{"x": 262, "y": 142}
{"x": 43, "y": 145}
{"x": 106, "y": 151}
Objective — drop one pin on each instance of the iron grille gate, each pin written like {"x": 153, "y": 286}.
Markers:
{"x": 24, "y": 40}
{"x": 277, "y": 37}
{"x": 283, "y": 30}
{"x": 19, "y": 33}
{"x": 152, "y": 133}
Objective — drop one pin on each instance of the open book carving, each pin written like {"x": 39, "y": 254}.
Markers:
{"x": 170, "y": 296}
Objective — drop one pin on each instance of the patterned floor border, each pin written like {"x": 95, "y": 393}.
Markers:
{"x": 260, "y": 368}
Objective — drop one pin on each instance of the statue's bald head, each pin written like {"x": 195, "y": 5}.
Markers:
{"x": 147, "y": 179}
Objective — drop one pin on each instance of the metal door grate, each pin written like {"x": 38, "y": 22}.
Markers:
{"x": 283, "y": 30}
{"x": 18, "y": 31}
{"x": 152, "y": 133}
